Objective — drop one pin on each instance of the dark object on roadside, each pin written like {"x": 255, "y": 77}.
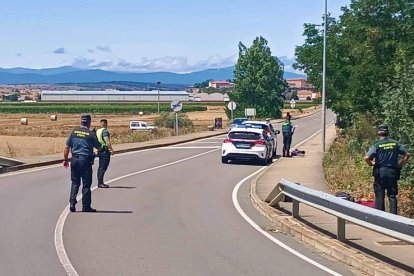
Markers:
{"x": 297, "y": 152}
{"x": 345, "y": 195}
{"x": 218, "y": 123}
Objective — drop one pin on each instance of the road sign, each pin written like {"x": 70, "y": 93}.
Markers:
{"x": 250, "y": 112}
{"x": 292, "y": 103}
{"x": 231, "y": 106}
{"x": 176, "y": 106}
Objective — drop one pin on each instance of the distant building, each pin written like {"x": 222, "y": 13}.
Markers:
{"x": 220, "y": 84}
{"x": 297, "y": 83}
{"x": 303, "y": 89}
{"x": 112, "y": 96}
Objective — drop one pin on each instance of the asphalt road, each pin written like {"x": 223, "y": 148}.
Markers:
{"x": 169, "y": 211}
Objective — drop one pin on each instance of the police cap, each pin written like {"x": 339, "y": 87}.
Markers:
{"x": 382, "y": 128}
{"x": 86, "y": 118}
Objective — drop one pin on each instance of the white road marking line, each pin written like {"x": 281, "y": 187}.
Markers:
{"x": 60, "y": 247}
{"x": 267, "y": 235}
{"x": 115, "y": 156}
{"x": 189, "y": 147}
{"x": 206, "y": 142}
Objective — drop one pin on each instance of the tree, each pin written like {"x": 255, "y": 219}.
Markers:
{"x": 398, "y": 113}
{"x": 258, "y": 80}
{"x": 364, "y": 46}
{"x": 203, "y": 84}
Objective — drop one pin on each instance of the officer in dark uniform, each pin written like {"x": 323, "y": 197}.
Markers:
{"x": 383, "y": 156}
{"x": 81, "y": 143}
{"x": 287, "y": 132}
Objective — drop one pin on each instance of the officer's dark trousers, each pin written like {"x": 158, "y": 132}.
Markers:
{"x": 81, "y": 169}
{"x": 104, "y": 160}
{"x": 385, "y": 179}
{"x": 287, "y": 141}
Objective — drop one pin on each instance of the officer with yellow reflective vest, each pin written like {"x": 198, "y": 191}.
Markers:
{"x": 105, "y": 153}
{"x": 384, "y": 157}
{"x": 81, "y": 143}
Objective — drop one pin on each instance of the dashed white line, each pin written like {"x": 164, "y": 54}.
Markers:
{"x": 59, "y": 245}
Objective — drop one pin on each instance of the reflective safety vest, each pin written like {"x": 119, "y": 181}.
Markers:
{"x": 287, "y": 128}
{"x": 101, "y": 140}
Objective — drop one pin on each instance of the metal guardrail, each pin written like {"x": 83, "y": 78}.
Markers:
{"x": 8, "y": 162}
{"x": 398, "y": 227}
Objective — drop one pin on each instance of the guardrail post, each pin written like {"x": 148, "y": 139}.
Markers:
{"x": 295, "y": 208}
{"x": 340, "y": 229}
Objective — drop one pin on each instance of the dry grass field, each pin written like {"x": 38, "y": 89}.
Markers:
{"x": 42, "y": 136}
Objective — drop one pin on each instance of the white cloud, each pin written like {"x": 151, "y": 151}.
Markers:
{"x": 178, "y": 64}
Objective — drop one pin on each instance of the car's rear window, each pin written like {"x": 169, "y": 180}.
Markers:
{"x": 258, "y": 126}
{"x": 238, "y": 121}
{"x": 244, "y": 135}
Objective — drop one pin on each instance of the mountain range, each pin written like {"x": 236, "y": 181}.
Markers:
{"x": 69, "y": 74}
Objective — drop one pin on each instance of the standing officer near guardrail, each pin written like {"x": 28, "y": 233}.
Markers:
{"x": 383, "y": 156}
{"x": 81, "y": 143}
{"x": 105, "y": 152}
{"x": 287, "y": 132}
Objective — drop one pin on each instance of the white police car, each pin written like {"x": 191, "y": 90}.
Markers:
{"x": 251, "y": 144}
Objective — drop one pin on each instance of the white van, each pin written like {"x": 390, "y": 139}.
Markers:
{"x": 140, "y": 125}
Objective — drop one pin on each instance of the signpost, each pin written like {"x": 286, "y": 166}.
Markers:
{"x": 292, "y": 103}
{"x": 231, "y": 106}
{"x": 250, "y": 112}
{"x": 176, "y": 106}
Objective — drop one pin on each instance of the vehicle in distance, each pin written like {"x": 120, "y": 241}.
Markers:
{"x": 237, "y": 121}
{"x": 250, "y": 144}
{"x": 140, "y": 125}
{"x": 268, "y": 127}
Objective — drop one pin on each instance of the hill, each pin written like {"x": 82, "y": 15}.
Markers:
{"x": 68, "y": 74}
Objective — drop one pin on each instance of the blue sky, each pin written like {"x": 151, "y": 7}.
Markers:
{"x": 145, "y": 35}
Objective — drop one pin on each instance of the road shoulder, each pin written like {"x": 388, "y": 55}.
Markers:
{"x": 311, "y": 175}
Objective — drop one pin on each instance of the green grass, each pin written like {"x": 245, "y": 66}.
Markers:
{"x": 105, "y": 108}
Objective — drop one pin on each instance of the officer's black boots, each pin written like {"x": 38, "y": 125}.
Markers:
{"x": 88, "y": 210}
{"x": 72, "y": 208}
{"x": 103, "y": 186}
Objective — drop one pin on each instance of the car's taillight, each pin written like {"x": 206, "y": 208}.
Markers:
{"x": 260, "y": 142}
{"x": 228, "y": 140}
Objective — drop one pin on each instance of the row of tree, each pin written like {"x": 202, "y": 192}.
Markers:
{"x": 370, "y": 67}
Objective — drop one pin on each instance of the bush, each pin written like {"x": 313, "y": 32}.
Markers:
{"x": 167, "y": 120}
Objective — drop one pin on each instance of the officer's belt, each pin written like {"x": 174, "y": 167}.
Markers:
{"x": 81, "y": 156}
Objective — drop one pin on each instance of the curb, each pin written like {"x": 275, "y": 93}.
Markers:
{"x": 324, "y": 244}
{"x": 59, "y": 161}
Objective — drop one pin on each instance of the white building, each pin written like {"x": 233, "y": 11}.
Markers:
{"x": 113, "y": 96}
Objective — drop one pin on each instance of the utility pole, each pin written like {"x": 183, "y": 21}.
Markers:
{"x": 325, "y": 29}
{"x": 158, "y": 86}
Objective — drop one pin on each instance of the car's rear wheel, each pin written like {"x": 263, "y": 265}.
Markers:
{"x": 263, "y": 161}
{"x": 224, "y": 160}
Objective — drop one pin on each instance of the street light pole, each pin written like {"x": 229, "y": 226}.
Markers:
{"x": 158, "y": 86}
{"x": 325, "y": 29}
